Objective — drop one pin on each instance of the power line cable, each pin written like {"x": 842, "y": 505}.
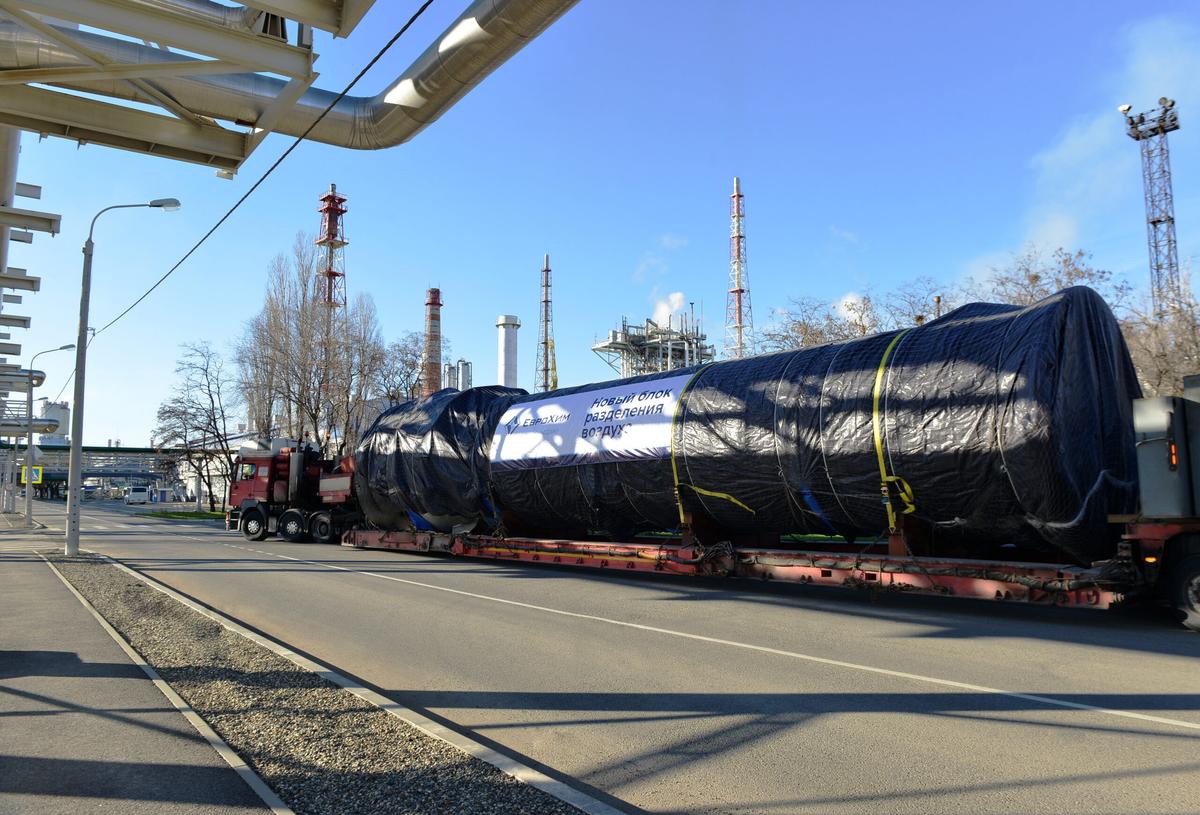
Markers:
{"x": 379, "y": 55}
{"x": 272, "y": 168}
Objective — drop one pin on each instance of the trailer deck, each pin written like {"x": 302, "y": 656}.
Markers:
{"x": 1099, "y": 586}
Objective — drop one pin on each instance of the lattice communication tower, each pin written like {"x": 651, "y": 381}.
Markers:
{"x": 739, "y": 316}
{"x": 547, "y": 370}
{"x": 1150, "y": 130}
{"x": 332, "y": 239}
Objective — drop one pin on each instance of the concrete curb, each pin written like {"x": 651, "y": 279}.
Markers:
{"x": 252, "y": 779}
{"x": 509, "y": 766}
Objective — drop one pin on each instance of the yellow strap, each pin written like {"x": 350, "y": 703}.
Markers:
{"x": 885, "y": 480}
{"x": 674, "y": 466}
{"x": 722, "y": 495}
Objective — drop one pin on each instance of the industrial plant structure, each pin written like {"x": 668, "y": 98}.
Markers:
{"x": 457, "y": 375}
{"x": 633, "y": 350}
{"x": 506, "y": 357}
{"x": 431, "y": 369}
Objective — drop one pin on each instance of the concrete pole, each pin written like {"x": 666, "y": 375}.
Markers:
{"x": 75, "y": 468}
{"x": 29, "y": 449}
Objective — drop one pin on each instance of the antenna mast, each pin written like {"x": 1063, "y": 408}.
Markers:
{"x": 739, "y": 316}
{"x": 547, "y": 370}
{"x": 333, "y": 240}
{"x": 1150, "y": 130}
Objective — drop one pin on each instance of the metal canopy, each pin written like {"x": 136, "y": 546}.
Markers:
{"x": 188, "y": 38}
{"x": 223, "y": 77}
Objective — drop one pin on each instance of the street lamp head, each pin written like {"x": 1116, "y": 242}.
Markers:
{"x": 1125, "y": 108}
{"x": 67, "y": 347}
{"x": 168, "y": 204}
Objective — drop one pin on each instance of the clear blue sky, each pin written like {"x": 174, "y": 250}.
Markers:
{"x": 876, "y": 142}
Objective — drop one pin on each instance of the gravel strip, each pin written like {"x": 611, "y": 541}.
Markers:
{"x": 322, "y": 749}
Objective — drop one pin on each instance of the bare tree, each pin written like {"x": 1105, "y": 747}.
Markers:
{"x": 307, "y": 364}
{"x": 398, "y": 377}
{"x": 813, "y": 322}
{"x": 1165, "y": 346}
{"x": 195, "y": 418}
{"x": 1031, "y": 277}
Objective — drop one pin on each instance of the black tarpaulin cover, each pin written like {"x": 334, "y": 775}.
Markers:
{"x": 429, "y": 457}
{"x": 1010, "y": 425}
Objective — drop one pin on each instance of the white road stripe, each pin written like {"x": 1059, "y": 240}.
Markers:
{"x": 933, "y": 680}
{"x": 837, "y": 663}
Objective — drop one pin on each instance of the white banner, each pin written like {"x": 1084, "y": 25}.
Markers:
{"x": 619, "y": 423}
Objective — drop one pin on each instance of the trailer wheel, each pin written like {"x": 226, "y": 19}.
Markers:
{"x": 254, "y": 525}
{"x": 292, "y": 526}
{"x": 1185, "y": 590}
{"x": 321, "y": 527}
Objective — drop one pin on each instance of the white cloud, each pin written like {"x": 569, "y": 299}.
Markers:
{"x": 650, "y": 263}
{"x": 843, "y": 234}
{"x": 845, "y": 305}
{"x": 666, "y": 307}
{"x": 670, "y": 241}
{"x": 1089, "y": 169}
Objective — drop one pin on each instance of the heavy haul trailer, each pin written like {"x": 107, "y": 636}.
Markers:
{"x": 995, "y": 447}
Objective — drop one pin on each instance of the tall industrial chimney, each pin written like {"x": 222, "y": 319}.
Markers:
{"x": 432, "y": 380}
{"x": 507, "y": 352}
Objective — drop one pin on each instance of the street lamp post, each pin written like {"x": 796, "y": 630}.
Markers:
{"x": 75, "y": 469}
{"x": 29, "y": 434}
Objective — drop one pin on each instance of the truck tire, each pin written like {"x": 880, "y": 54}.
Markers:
{"x": 320, "y": 526}
{"x": 1185, "y": 590}
{"x": 254, "y": 524}
{"x": 292, "y": 526}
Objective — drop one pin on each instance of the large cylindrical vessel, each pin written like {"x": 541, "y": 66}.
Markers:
{"x": 993, "y": 425}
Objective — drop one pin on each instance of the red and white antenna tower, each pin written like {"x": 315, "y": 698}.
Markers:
{"x": 739, "y": 316}
{"x": 332, "y": 239}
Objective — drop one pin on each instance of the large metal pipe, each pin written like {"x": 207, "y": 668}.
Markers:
{"x": 238, "y": 17}
{"x": 479, "y": 41}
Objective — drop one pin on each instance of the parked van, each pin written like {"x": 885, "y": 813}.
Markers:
{"x": 137, "y": 495}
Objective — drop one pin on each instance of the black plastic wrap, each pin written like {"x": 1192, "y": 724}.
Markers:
{"x": 429, "y": 457}
{"x": 1011, "y": 425}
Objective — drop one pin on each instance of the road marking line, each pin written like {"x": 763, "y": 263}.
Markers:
{"x": 248, "y": 775}
{"x": 509, "y": 766}
{"x": 836, "y": 663}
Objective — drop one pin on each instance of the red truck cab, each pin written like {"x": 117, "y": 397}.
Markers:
{"x": 282, "y": 487}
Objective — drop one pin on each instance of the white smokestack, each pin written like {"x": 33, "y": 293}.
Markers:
{"x": 506, "y": 357}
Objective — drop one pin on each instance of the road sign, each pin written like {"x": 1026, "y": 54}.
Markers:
{"x": 37, "y": 475}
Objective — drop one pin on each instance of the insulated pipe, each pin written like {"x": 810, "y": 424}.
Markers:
{"x": 238, "y": 17}
{"x": 479, "y": 41}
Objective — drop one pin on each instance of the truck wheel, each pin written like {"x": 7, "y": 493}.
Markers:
{"x": 321, "y": 527}
{"x": 292, "y": 526}
{"x": 254, "y": 525}
{"x": 1185, "y": 591}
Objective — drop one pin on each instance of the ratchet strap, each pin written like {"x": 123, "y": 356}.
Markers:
{"x": 675, "y": 465}
{"x": 888, "y": 484}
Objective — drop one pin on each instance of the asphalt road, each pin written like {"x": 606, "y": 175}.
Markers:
{"x": 680, "y": 696}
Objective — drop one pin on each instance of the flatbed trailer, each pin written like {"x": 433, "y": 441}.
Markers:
{"x": 1135, "y": 572}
